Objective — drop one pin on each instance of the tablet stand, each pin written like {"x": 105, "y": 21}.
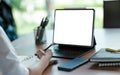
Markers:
{"x": 70, "y": 51}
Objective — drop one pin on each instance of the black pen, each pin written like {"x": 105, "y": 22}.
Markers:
{"x": 45, "y": 22}
{"x": 48, "y": 47}
{"x": 42, "y": 51}
{"x": 42, "y": 27}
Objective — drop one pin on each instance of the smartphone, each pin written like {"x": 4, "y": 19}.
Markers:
{"x": 72, "y": 64}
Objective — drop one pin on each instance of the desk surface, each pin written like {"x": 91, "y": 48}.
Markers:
{"x": 104, "y": 38}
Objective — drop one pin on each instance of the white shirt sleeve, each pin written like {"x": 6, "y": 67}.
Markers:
{"x": 9, "y": 63}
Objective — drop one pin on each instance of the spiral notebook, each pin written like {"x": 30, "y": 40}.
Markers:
{"x": 28, "y": 60}
{"x": 108, "y": 64}
{"x": 104, "y": 56}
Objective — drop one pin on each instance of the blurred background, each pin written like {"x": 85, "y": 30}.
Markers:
{"x": 29, "y": 13}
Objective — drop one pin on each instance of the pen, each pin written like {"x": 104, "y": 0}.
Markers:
{"x": 42, "y": 51}
{"x": 45, "y": 22}
{"x": 48, "y": 47}
{"x": 41, "y": 28}
{"x": 37, "y": 33}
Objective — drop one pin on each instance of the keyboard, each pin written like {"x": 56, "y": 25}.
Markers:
{"x": 69, "y": 53}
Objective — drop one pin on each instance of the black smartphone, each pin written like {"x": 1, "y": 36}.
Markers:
{"x": 72, "y": 64}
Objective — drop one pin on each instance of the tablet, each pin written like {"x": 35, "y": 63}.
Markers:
{"x": 74, "y": 27}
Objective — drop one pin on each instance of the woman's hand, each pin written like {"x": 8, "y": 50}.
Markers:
{"x": 44, "y": 62}
{"x": 40, "y": 53}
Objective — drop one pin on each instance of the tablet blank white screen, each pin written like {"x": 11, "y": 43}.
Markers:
{"x": 73, "y": 27}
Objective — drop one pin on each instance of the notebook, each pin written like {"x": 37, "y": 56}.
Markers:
{"x": 9, "y": 51}
{"x": 109, "y": 64}
{"x": 103, "y": 56}
{"x": 28, "y": 60}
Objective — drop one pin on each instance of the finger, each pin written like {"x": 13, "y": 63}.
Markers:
{"x": 49, "y": 53}
{"x": 53, "y": 62}
{"x": 40, "y": 53}
{"x": 40, "y": 50}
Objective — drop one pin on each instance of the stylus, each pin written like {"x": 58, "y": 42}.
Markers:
{"x": 42, "y": 51}
{"x": 48, "y": 47}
